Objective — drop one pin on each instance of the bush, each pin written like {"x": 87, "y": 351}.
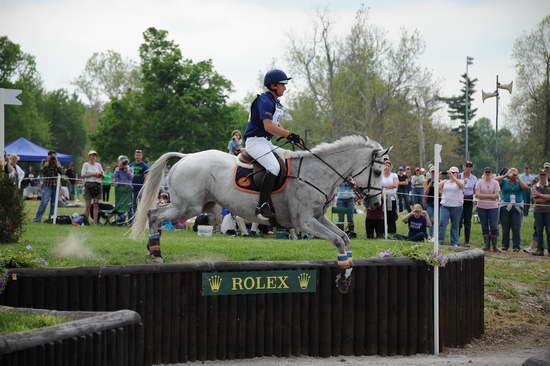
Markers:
{"x": 12, "y": 213}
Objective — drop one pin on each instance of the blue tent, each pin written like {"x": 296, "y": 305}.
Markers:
{"x": 29, "y": 152}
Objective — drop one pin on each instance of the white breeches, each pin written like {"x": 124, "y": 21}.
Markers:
{"x": 261, "y": 149}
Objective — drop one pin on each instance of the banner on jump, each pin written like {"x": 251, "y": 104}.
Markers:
{"x": 264, "y": 282}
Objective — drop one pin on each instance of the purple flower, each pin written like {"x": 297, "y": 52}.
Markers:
{"x": 385, "y": 254}
{"x": 42, "y": 261}
{"x": 29, "y": 247}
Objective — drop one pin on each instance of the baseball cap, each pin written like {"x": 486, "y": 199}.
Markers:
{"x": 454, "y": 169}
{"x": 487, "y": 168}
{"x": 92, "y": 152}
{"x": 401, "y": 167}
{"x": 468, "y": 164}
{"x": 546, "y": 165}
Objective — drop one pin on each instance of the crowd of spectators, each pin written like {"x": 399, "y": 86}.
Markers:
{"x": 498, "y": 200}
{"x": 93, "y": 180}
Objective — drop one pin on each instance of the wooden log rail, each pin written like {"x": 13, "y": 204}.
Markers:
{"x": 388, "y": 311}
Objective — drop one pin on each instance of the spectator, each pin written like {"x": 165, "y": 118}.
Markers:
{"x": 418, "y": 221}
{"x": 402, "y": 193}
{"x": 430, "y": 194}
{"x": 417, "y": 182}
{"x": 546, "y": 167}
{"x": 541, "y": 211}
{"x": 50, "y": 170}
{"x": 346, "y": 199}
{"x": 511, "y": 209}
{"x": 527, "y": 178}
{"x": 234, "y": 145}
{"x": 487, "y": 192}
{"x": 470, "y": 181}
{"x": 122, "y": 179}
{"x": 452, "y": 199}
{"x": 20, "y": 173}
{"x": 71, "y": 174}
{"x": 106, "y": 184}
{"x": 139, "y": 170}
{"x": 408, "y": 187}
{"x": 92, "y": 172}
{"x": 390, "y": 182}
{"x": 374, "y": 223}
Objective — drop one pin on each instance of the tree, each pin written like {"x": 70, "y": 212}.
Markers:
{"x": 18, "y": 71}
{"x": 531, "y": 53}
{"x": 65, "y": 116}
{"x": 179, "y": 105}
{"x": 457, "y": 111}
{"x": 107, "y": 75}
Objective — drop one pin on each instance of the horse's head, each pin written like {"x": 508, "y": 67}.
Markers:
{"x": 369, "y": 179}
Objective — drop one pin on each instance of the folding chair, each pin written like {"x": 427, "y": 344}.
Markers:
{"x": 123, "y": 202}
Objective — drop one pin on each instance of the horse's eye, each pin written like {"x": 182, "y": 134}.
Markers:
{"x": 377, "y": 173}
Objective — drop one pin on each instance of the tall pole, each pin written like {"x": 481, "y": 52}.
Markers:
{"x": 469, "y": 61}
{"x": 437, "y": 161}
{"x": 496, "y": 128}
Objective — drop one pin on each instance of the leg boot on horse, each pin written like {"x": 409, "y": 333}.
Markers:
{"x": 264, "y": 210}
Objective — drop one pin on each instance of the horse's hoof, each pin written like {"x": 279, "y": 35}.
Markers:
{"x": 154, "y": 259}
{"x": 343, "y": 283}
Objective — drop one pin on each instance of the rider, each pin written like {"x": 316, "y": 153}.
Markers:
{"x": 265, "y": 115}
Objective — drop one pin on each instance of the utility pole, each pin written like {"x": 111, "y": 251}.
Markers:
{"x": 469, "y": 61}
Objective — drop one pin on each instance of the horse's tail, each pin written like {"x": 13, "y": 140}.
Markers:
{"x": 149, "y": 193}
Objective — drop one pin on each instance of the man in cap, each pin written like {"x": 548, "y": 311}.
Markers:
{"x": 402, "y": 193}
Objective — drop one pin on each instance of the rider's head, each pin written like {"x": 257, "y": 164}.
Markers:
{"x": 275, "y": 81}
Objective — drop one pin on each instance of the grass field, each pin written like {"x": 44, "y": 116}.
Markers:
{"x": 13, "y": 321}
{"x": 517, "y": 285}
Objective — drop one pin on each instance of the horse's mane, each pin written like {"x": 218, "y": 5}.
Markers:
{"x": 343, "y": 143}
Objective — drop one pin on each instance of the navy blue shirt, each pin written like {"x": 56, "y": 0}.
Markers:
{"x": 263, "y": 107}
{"x": 139, "y": 174}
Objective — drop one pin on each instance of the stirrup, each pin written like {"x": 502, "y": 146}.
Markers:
{"x": 264, "y": 212}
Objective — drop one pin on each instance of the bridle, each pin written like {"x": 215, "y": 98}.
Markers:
{"x": 359, "y": 191}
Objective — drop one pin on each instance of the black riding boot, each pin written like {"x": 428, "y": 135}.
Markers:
{"x": 264, "y": 209}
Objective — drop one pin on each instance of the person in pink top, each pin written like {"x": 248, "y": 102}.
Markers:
{"x": 487, "y": 191}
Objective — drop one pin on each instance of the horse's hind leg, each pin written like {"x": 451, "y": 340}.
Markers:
{"x": 156, "y": 216}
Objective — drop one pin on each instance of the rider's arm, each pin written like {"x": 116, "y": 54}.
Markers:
{"x": 273, "y": 129}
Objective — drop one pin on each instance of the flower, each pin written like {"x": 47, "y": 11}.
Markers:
{"x": 42, "y": 261}
{"x": 29, "y": 247}
{"x": 385, "y": 254}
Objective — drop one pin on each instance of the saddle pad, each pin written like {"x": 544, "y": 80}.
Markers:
{"x": 244, "y": 180}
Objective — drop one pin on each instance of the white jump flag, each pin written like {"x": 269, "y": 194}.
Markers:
{"x": 437, "y": 161}
{"x": 7, "y": 96}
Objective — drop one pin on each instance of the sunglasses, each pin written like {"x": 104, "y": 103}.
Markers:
{"x": 488, "y": 172}
{"x": 139, "y": 151}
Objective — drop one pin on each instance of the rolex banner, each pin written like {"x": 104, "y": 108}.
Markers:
{"x": 233, "y": 283}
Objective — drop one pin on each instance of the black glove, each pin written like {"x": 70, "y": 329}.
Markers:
{"x": 294, "y": 138}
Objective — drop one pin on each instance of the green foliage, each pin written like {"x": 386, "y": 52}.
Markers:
{"x": 17, "y": 258}
{"x": 12, "y": 212}
{"x": 66, "y": 119}
{"x": 15, "y": 321}
{"x": 422, "y": 252}
{"x": 180, "y": 105}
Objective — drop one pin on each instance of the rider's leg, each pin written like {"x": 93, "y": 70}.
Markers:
{"x": 261, "y": 150}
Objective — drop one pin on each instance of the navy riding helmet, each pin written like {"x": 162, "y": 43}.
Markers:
{"x": 275, "y": 77}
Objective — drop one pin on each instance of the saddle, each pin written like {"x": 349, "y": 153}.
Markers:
{"x": 249, "y": 174}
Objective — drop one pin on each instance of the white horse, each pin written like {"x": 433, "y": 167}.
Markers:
{"x": 201, "y": 180}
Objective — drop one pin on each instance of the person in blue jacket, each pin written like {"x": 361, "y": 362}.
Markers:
{"x": 265, "y": 115}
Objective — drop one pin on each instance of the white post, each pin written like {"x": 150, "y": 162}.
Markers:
{"x": 56, "y": 198}
{"x": 7, "y": 96}
{"x": 385, "y": 203}
{"x": 437, "y": 161}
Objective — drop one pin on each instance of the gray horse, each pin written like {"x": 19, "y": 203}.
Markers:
{"x": 200, "y": 181}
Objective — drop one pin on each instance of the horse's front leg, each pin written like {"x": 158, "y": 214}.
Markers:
{"x": 315, "y": 227}
{"x": 335, "y": 229}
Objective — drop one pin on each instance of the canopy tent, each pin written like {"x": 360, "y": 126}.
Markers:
{"x": 29, "y": 152}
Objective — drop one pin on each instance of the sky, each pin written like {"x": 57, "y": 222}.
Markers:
{"x": 243, "y": 37}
